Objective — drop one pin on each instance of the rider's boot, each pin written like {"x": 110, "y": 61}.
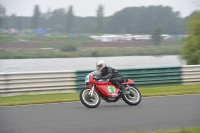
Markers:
{"x": 123, "y": 89}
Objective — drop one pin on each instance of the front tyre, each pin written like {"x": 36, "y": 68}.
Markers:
{"x": 133, "y": 96}
{"x": 89, "y": 101}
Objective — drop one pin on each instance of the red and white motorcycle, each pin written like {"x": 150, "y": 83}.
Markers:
{"x": 96, "y": 90}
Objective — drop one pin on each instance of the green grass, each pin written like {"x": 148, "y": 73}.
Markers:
{"x": 189, "y": 130}
{"x": 83, "y": 52}
{"x": 55, "y": 38}
{"x": 85, "y": 48}
{"x": 38, "y": 99}
{"x": 67, "y": 97}
{"x": 8, "y": 38}
{"x": 170, "y": 90}
{"x": 183, "y": 130}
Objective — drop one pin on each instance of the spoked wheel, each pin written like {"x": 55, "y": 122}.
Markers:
{"x": 132, "y": 96}
{"x": 88, "y": 100}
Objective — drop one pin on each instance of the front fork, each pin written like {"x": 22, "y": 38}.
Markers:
{"x": 91, "y": 91}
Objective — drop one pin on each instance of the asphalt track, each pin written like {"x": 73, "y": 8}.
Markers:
{"x": 152, "y": 114}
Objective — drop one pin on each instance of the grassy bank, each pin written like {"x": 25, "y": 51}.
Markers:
{"x": 17, "y": 47}
{"x": 183, "y": 130}
{"x": 84, "y": 52}
{"x": 55, "y": 98}
{"x": 59, "y": 38}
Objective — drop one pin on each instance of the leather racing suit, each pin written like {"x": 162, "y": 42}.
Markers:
{"x": 113, "y": 75}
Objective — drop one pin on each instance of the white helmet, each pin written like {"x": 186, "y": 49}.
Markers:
{"x": 100, "y": 65}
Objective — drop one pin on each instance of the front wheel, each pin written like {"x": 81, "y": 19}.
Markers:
{"x": 132, "y": 96}
{"x": 89, "y": 101}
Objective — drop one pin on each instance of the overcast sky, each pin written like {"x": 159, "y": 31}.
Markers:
{"x": 89, "y": 7}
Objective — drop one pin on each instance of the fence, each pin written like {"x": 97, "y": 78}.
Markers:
{"x": 73, "y": 81}
{"x": 191, "y": 74}
{"x": 37, "y": 83}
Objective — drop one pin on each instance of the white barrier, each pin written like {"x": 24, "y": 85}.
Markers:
{"x": 37, "y": 83}
{"x": 64, "y": 81}
{"x": 191, "y": 74}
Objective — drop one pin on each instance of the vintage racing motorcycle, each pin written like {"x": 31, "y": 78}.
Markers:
{"x": 96, "y": 90}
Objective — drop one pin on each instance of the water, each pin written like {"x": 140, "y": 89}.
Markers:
{"x": 87, "y": 63}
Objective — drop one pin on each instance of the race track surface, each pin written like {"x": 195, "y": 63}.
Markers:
{"x": 152, "y": 114}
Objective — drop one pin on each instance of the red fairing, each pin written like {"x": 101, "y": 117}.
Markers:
{"x": 92, "y": 81}
{"x": 106, "y": 88}
{"x": 129, "y": 82}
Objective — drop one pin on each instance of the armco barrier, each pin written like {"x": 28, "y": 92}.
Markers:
{"x": 73, "y": 81}
{"x": 37, "y": 83}
{"x": 142, "y": 76}
{"x": 190, "y": 74}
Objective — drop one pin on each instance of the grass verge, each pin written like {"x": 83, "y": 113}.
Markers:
{"x": 69, "y": 97}
{"x": 73, "y": 51}
{"x": 183, "y": 130}
{"x": 55, "y": 47}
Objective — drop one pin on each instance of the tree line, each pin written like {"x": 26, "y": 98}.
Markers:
{"x": 130, "y": 20}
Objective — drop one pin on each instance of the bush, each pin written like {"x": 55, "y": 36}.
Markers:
{"x": 68, "y": 48}
{"x": 191, "y": 49}
{"x": 156, "y": 36}
{"x": 94, "y": 54}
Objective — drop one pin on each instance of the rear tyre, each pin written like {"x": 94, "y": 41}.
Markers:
{"x": 89, "y": 101}
{"x": 133, "y": 96}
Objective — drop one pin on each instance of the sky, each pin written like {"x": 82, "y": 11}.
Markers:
{"x": 88, "y": 7}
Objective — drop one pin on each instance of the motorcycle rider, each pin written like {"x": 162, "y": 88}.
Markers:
{"x": 110, "y": 73}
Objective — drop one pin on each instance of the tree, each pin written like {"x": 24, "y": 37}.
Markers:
{"x": 57, "y": 19}
{"x": 36, "y": 17}
{"x": 143, "y": 20}
{"x": 130, "y": 20}
{"x": 156, "y": 36}
{"x": 100, "y": 19}
{"x": 191, "y": 49}
{"x": 2, "y": 15}
{"x": 19, "y": 23}
{"x": 70, "y": 20}
{"x": 12, "y": 21}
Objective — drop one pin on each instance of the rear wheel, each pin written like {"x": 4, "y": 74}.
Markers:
{"x": 132, "y": 96}
{"x": 89, "y": 101}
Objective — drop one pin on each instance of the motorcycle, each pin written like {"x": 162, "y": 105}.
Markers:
{"x": 97, "y": 89}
